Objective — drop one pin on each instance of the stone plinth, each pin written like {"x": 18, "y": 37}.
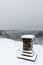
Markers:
{"x": 28, "y": 52}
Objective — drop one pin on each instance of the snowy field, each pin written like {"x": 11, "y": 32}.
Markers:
{"x": 9, "y": 50}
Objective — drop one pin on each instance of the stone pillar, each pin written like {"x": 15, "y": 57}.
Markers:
{"x": 27, "y": 45}
{"x": 27, "y": 42}
{"x": 28, "y": 52}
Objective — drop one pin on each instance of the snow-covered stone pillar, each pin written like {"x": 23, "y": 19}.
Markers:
{"x": 27, "y": 42}
{"x": 28, "y": 52}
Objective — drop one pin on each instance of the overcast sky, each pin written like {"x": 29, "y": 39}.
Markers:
{"x": 21, "y": 14}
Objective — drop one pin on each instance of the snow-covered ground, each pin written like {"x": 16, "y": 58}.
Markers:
{"x": 9, "y": 50}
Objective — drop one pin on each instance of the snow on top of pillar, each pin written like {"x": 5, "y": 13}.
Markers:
{"x": 28, "y": 36}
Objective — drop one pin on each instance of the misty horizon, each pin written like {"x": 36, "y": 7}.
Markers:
{"x": 21, "y": 15}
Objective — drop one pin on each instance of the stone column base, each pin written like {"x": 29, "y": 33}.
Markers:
{"x": 28, "y": 55}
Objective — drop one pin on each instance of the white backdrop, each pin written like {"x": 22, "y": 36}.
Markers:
{"x": 21, "y": 14}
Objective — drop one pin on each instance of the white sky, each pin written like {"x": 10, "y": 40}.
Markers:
{"x": 21, "y": 14}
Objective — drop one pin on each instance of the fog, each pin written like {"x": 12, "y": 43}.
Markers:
{"x": 21, "y": 14}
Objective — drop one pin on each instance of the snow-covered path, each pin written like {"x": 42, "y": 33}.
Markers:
{"x": 9, "y": 49}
